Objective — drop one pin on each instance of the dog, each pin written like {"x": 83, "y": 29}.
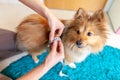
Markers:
{"x": 83, "y": 35}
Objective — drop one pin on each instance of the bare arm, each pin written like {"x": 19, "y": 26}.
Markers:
{"x": 55, "y": 25}
{"x": 36, "y": 73}
{"x": 37, "y": 6}
{"x": 55, "y": 55}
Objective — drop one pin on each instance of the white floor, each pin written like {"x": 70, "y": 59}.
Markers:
{"x": 113, "y": 39}
{"x": 6, "y": 62}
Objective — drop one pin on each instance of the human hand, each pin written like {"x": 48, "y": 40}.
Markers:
{"x": 55, "y": 55}
{"x": 56, "y": 27}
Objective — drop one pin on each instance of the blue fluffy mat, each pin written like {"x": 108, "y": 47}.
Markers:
{"x": 103, "y": 66}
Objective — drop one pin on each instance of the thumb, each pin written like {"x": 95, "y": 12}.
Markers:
{"x": 51, "y": 36}
{"x": 61, "y": 48}
{"x": 54, "y": 46}
{"x": 59, "y": 32}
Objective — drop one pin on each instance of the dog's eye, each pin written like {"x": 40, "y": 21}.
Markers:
{"x": 78, "y": 32}
{"x": 89, "y": 34}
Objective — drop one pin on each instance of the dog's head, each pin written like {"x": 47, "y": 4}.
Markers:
{"x": 86, "y": 31}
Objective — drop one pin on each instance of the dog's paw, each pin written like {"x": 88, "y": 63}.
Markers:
{"x": 36, "y": 61}
{"x": 72, "y": 65}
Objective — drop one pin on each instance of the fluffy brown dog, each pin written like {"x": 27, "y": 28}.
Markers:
{"x": 83, "y": 35}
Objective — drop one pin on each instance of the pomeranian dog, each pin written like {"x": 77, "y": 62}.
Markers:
{"x": 82, "y": 35}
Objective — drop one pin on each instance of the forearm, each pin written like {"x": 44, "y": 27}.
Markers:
{"x": 37, "y": 6}
{"x": 36, "y": 73}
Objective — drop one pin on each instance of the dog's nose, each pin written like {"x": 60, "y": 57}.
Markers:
{"x": 79, "y": 43}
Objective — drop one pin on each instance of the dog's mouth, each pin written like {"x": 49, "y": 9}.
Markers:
{"x": 81, "y": 46}
{"x": 72, "y": 46}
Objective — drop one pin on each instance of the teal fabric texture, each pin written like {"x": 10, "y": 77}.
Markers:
{"x": 102, "y": 66}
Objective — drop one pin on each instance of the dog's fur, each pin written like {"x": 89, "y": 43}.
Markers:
{"x": 83, "y": 35}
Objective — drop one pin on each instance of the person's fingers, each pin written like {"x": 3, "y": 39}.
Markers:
{"x": 59, "y": 32}
{"x": 61, "y": 48}
{"x": 51, "y": 35}
{"x": 54, "y": 46}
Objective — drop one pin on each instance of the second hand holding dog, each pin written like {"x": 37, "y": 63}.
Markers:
{"x": 62, "y": 61}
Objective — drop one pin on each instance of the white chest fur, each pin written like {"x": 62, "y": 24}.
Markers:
{"x": 78, "y": 55}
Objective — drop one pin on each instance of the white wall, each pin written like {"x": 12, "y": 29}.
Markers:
{"x": 12, "y": 14}
{"x": 114, "y": 14}
{"x": 9, "y": 1}
{"x": 108, "y": 5}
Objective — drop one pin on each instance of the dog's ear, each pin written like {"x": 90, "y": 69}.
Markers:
{"x": 80, "y": 14}
{"x": 99, "y": 16}
{"x": 67, "y": 23}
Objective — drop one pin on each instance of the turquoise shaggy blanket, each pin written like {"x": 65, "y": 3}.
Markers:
{"x": 103, "y": 66}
